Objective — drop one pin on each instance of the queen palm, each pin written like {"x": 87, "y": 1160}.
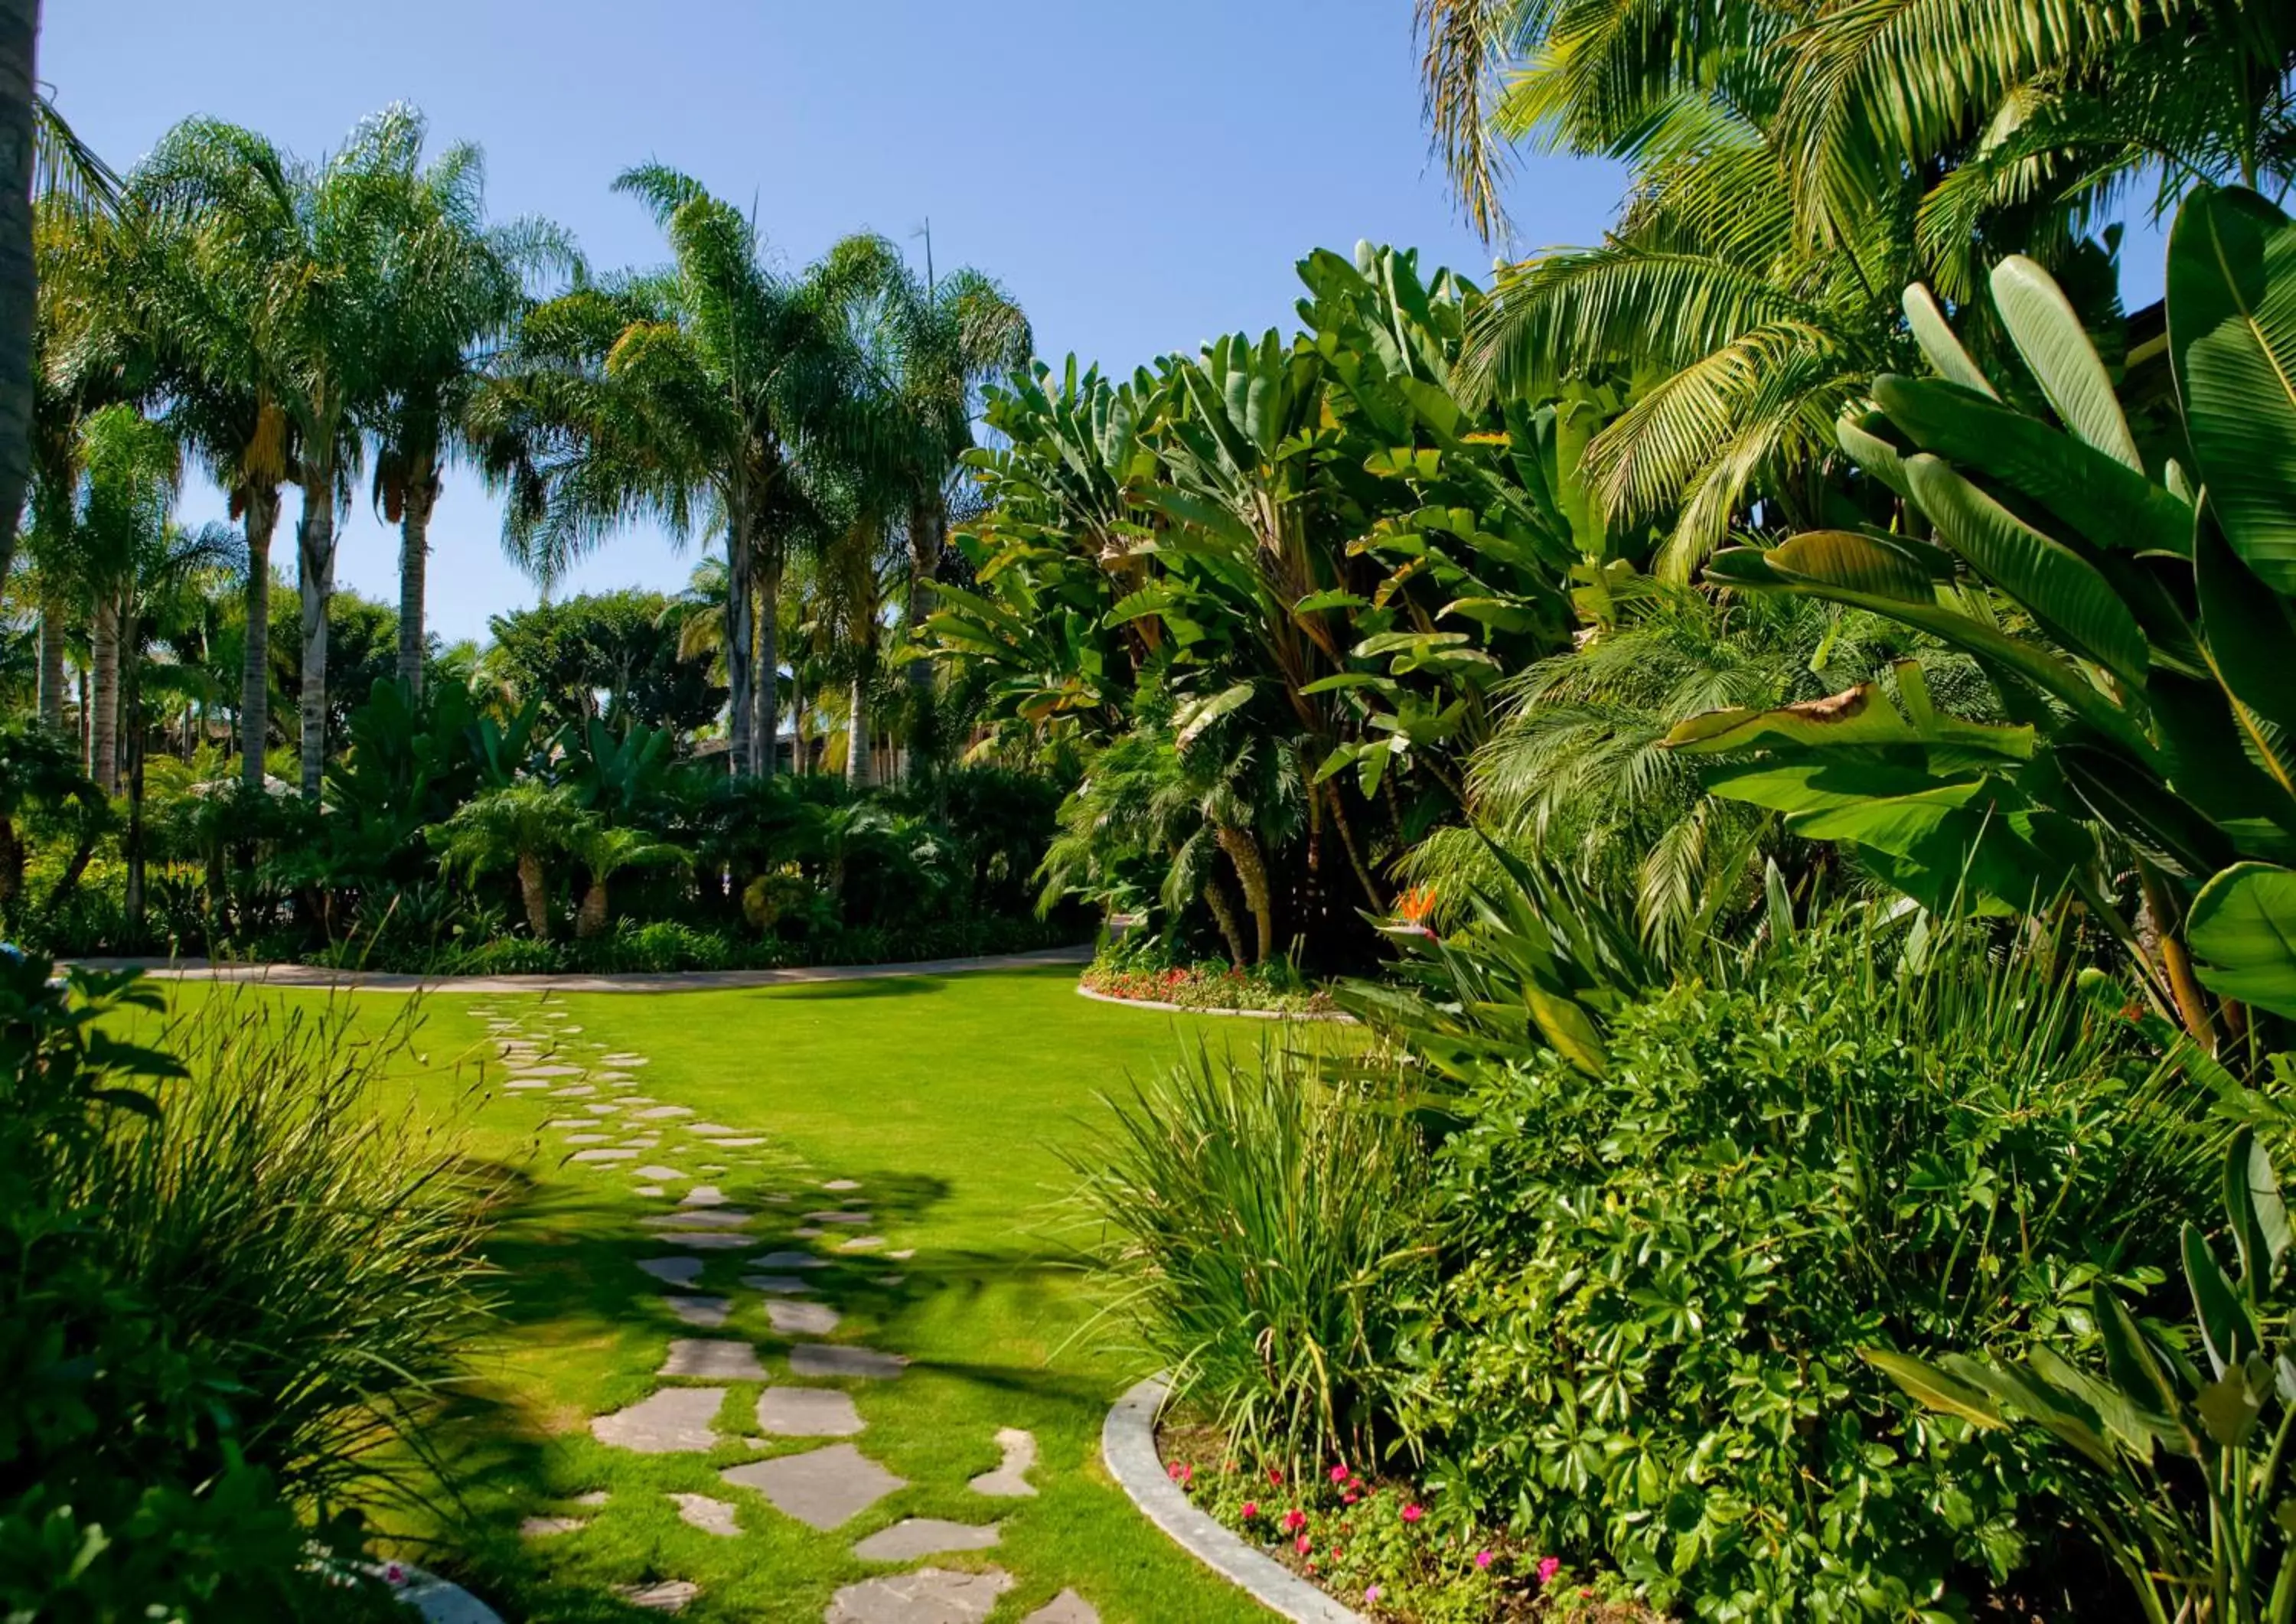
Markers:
{"x": 291, "y": 258}
{"x": 133, "y": 469}
{"x": 688, "y": 393}
{"x": 451, "y": 287}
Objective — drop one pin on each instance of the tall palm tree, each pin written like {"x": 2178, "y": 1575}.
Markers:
{"x": 133, "y": 469}
{"x": 19, "y": 29}
{"x": 296, "y": 253}
{"x": 690, "y": 391}
{"x": 452, "y": 287}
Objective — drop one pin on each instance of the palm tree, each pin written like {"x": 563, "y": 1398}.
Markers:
{"x": 451, "y": 286}
{"x": 605, "y": 850}
{"x": 297, "y": 253}
{"x": 19, "y": 29}
{"x": 513, "y": 827}
{"x": 134, "y": 468}
{"x": 698, "y": 388}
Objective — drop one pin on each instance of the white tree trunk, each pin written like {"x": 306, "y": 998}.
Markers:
{"x": 316, "y": 576}
{"x": 766, "y": 722}
{"x": 856, "y": 735}
{"x": 740, "y": 649}
{"x": 52, "y": 665}
{"x": 414, "y": 559}
{"x": 255, "y": 670}
{"x": 103, "y": 719}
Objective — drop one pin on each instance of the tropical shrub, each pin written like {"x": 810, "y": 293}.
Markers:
{"x": 1663, "y": 1258}
{"x": 2182, "y": 1471}
{"x": 232, "y": 1281}
{"x": 1262, "y": 1230}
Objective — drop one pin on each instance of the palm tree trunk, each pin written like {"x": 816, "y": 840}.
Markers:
{"x": 255, "y": 669}
{"x": 414, "y": 559}
{"x": 1216, "y": 898}
{"x": 927, "y": 521}
{"x": 132, "y": 765}
{"x": 857, "y": 734}
{"x": 741, "y": 662}
{"x": 20, "y": 29}
{"x": 535, "y": 894}
{"x": 314, "y": 562}
{"x": 1243, "y": 852}
{"x": 104, "y": 704}
{"x": 590, "y": 918}
{"x": 51, "y": 667}
{"x": 767, "y": 722}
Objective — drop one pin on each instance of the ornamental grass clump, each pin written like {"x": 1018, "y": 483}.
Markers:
{"x": 1262, "y": 1233}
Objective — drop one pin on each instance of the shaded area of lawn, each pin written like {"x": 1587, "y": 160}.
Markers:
{"x": 950, "y": 1100}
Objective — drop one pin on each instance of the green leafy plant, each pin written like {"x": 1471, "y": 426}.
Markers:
{"x": 2183, "y": 1465}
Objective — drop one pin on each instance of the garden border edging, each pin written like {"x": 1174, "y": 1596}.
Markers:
{"x": 1128, "y": 1445}
{"x": 1337, "y": 1017}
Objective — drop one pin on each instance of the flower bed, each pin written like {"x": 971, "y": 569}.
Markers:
{"x": 1212, "y": 986}
{"x": 1377, "y": 1546}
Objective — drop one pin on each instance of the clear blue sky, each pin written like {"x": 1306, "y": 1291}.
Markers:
{"x": 1142, "y": 176}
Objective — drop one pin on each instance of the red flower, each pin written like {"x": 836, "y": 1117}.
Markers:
{"x": 1294, "y": 1520}
{"x": 1348, "y": 1498}
{"x": 1413, "y": 1511}
{"x": 1303, "y": 1544}
{"x": 1276, "y": 1477}
{"x": 1339, "y": 1474}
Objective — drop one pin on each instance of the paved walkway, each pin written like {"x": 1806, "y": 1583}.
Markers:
{"x": 794, "y": 1405}
{"x": 686, "y": 980}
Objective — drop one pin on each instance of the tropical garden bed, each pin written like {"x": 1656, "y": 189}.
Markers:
{"x": 1211, "y": 986}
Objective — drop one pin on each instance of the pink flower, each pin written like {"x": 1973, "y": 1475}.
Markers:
{"x": 1372, "y": 1593}
{"x": 1276, "y": 1477}
{"x": 1339, "y": 1474}
{"x": 1182, "y": 1473}
{"x": 1548, "y": 1567}
{"x": 393, "y": 1574}
{"x": 1483, "y": 1559}
{"x": 1294, "y": 1520}
{"x": 1303, "y": 1544}
{"x": 1251, "y": 1509}
{"x": 1349, "y": 1499}
{"x": 1413, "y": 1511}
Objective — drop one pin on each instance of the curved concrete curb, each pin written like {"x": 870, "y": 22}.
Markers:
{"x": 439, "y": 1600}
{"x": 1337, "y": 1018}
{"x": 1127, "y": 1443}
{"x": 688, "y": 981}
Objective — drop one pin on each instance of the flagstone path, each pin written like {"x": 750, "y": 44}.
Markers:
{"x": 813, "y": 1477}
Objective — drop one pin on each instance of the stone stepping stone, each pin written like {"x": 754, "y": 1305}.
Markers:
{"x": 916, "y": 1537}
{"x": 666, "y": 1175}
{"x": 626, "y": 1060}
{"x": 572, "y": 1091}
{"x": 670, "y": 1595}
{"x": 735, "y": 1144}
{"x": 550, "y": 1071}
{"x": 1066, "y": 1608}
{"x": 644, "y": 1142}
{"x": 889, "y": 1280}
{"x": 597, "y": 1497}
{"x": 675, "y": 1421}
{"x": 821, "y": 1488}
{"x": 807, "y": 1412}
{"x": 517, "y": 1085}
{"x": 839, "y": 1217}
{"x": 863, "y": 1242}
{"x": 903, "y": 1255}
{"x": 807, "y": 1232}
{"x": 570, "y": 1028}
{"x": 704, "y": 1195}
{"x": 830, "y": 1360}
{"x": 707, "y": 1312}
{"x": 674, "y": 1271}
{"x": 778, "y": 1285}
{"x": 618, "y": 1152}
{"x": 705, "y": 1239}
{"x": 545, "y": 1528}
{"x": 710, "y": 1516}
{"x": 788, "y": 1259}
{"x": 655, "y": 1113}
{"x": 802, "y": 1319}
{"x": 708, "y": 1217}
{"x": 712, "y": 1360}
{"x": 930, "y": 1596}
{"x": 613, "y": 1076}
{"x": 781, "y": 1198}
{"x": 587, "y": 1138}
{"x": 650, "y": 1190}
{"x": 843, "y": 1184}
{"x": 602, "y": 1111}
{"x": 1010, "y": 1481}
{"x": 570, "y": 1122}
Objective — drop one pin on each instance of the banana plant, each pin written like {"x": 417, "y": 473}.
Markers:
{"x": 2142, "y": 627}
{"x": 2181, "y": 1469}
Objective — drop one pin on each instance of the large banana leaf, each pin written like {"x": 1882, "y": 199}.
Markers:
{"x": 2049, "y": 335}
{"x": 2243, "y": 930}
{"x": 2232, "y": 333}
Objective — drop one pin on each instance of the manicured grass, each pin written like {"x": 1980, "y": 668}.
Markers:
{"x": 949, "y": 1100}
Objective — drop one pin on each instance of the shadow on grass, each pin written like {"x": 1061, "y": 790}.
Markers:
{"x": 877, "y": 987}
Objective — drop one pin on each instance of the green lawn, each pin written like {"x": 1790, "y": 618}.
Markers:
{"x": 948, "y": 1098}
